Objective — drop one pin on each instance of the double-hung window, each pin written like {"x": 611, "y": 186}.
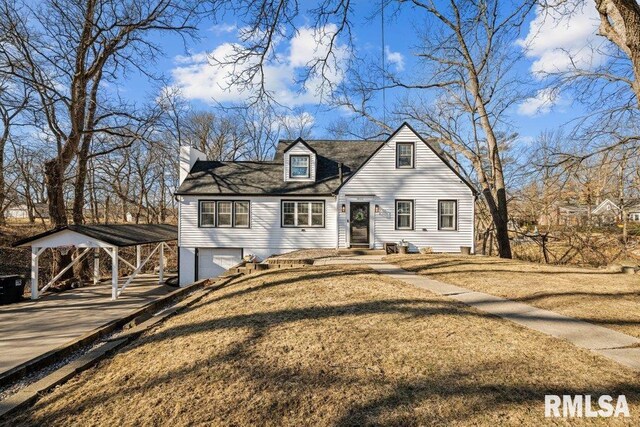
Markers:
{"x": 241, "y": 214}
{"x": 404, "y": 155}
{"x": 299, "y": 166}
{"x": 225, "y": 213}
{"x": 404, "y": 214}
{"x": 447, "y": 215}
{"x": 207, "y": 214}
{"x": 302, "y": 214}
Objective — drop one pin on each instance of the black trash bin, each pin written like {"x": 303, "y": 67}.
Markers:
{"x": 11, "y": 289}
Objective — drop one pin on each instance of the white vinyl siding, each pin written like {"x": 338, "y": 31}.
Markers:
{"x": 266, "y": 236}
{"x": 380, "y": 183}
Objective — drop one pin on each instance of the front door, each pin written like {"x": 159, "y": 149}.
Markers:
{"x": 359, "y": 223}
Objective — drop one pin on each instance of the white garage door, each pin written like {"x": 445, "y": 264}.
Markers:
{"x": 214, "y": 262}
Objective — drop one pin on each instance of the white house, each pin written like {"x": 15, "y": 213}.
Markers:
{"x": 320, "y": 194}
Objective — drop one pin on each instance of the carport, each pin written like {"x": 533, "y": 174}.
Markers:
{"x": 107, "y": 237}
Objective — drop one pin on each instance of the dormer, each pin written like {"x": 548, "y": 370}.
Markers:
{"x": 300, "y": 162}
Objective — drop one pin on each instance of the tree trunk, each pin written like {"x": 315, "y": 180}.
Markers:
{"x": 620, "y": 23}
{"x": 3, "y": 142}
{"x": 106, "y": 209}
{"x": 2, "y": 184}
{"x": 500, "y": 221}
{"x": 54, "y": 180}
{"x": 82, "y": 269}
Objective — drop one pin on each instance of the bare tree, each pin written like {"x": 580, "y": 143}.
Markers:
{"x": 468, "y": 69}
{"x": 13, "y": 102}
{"x": 65, "y": 50}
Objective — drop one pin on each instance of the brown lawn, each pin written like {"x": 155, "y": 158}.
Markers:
{"x": 595, "y": 295}
{"x": 331, "y": 346}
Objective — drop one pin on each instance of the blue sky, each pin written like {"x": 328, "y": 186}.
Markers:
{"x": 547, "y": 40}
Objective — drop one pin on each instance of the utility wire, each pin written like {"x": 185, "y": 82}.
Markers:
{"x": 384, "y": 70}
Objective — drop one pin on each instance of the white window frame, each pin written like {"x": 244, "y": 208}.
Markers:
{"x": 296, "y": 203}
{"x": 410, "y": 214}
{"x": 216, "y": 213}
{"x": 301, "y": 156}
{"x": 235, "y": 214}
{"x": 413, "y": 155}
{"x": 230, "y": 213}
{"x": 455, "y": 215}
{"x": 200, "y": 213}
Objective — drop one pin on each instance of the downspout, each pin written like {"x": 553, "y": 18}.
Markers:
{"x": 337, "y": 221}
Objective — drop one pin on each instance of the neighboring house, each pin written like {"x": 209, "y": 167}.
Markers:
{"x": 606, "y": 213}
{"x": 634, "y": 213}
{"x": 40, "y": 210}
{"x": 320, "y": 194}
{"x": 565, "y": 214}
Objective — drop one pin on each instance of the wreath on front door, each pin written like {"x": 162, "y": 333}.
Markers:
{"x": 359, "y": 216}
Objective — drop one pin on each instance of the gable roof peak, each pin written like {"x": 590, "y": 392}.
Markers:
{"x": 299, "y": 140}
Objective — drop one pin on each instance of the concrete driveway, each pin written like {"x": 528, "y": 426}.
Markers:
{"x": 32, "y": 328}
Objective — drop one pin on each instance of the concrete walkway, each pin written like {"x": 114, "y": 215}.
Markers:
{"x": 32, "y": 328}
{"x": 614, "y": 345}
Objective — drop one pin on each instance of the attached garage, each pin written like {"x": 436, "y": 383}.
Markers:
{"x": 212, "y": 262}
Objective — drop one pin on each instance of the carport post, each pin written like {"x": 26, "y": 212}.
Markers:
{"x": 35, "y": 254}
{"x": 96, "y": 265}
{"x": 138, "y": 255}
{"x": 114, "y": 272}
{"x": 161, "y": 266}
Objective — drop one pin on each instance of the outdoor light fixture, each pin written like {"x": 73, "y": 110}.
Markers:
{"x": 377, "y": 209}
{"x": 344, "y": 208}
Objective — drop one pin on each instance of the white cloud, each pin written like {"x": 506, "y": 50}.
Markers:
{"x": 557, "y": 36}
{"x": 198, "y": 77}
{"x": 223, "y": 28}
{"x": 395, "y": 58}
{"x": 304, "y": 120}
{"x": 542, "y": 103}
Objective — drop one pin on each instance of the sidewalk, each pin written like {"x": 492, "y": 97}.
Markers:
{"x": 619, "y": 347}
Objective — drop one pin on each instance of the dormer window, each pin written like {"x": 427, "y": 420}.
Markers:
{"x": 299, "y": 166}
{"x": 404, "y": 155}
{"x": 300, "y": 162}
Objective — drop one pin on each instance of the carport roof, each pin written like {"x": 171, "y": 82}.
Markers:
{"x": 120, "y": 235}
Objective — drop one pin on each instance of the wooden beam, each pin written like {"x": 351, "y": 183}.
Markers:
{"x": 161, "y": 266}
{"x": 64, "y": 270}
{"x": 96, "y": 265}
{"x": 135, "y": 273}
{"x": 114, "y": 273}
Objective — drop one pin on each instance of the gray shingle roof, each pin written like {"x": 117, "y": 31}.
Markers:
{"x": 117, "y": 234}
{"x": 267, "y": 178}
